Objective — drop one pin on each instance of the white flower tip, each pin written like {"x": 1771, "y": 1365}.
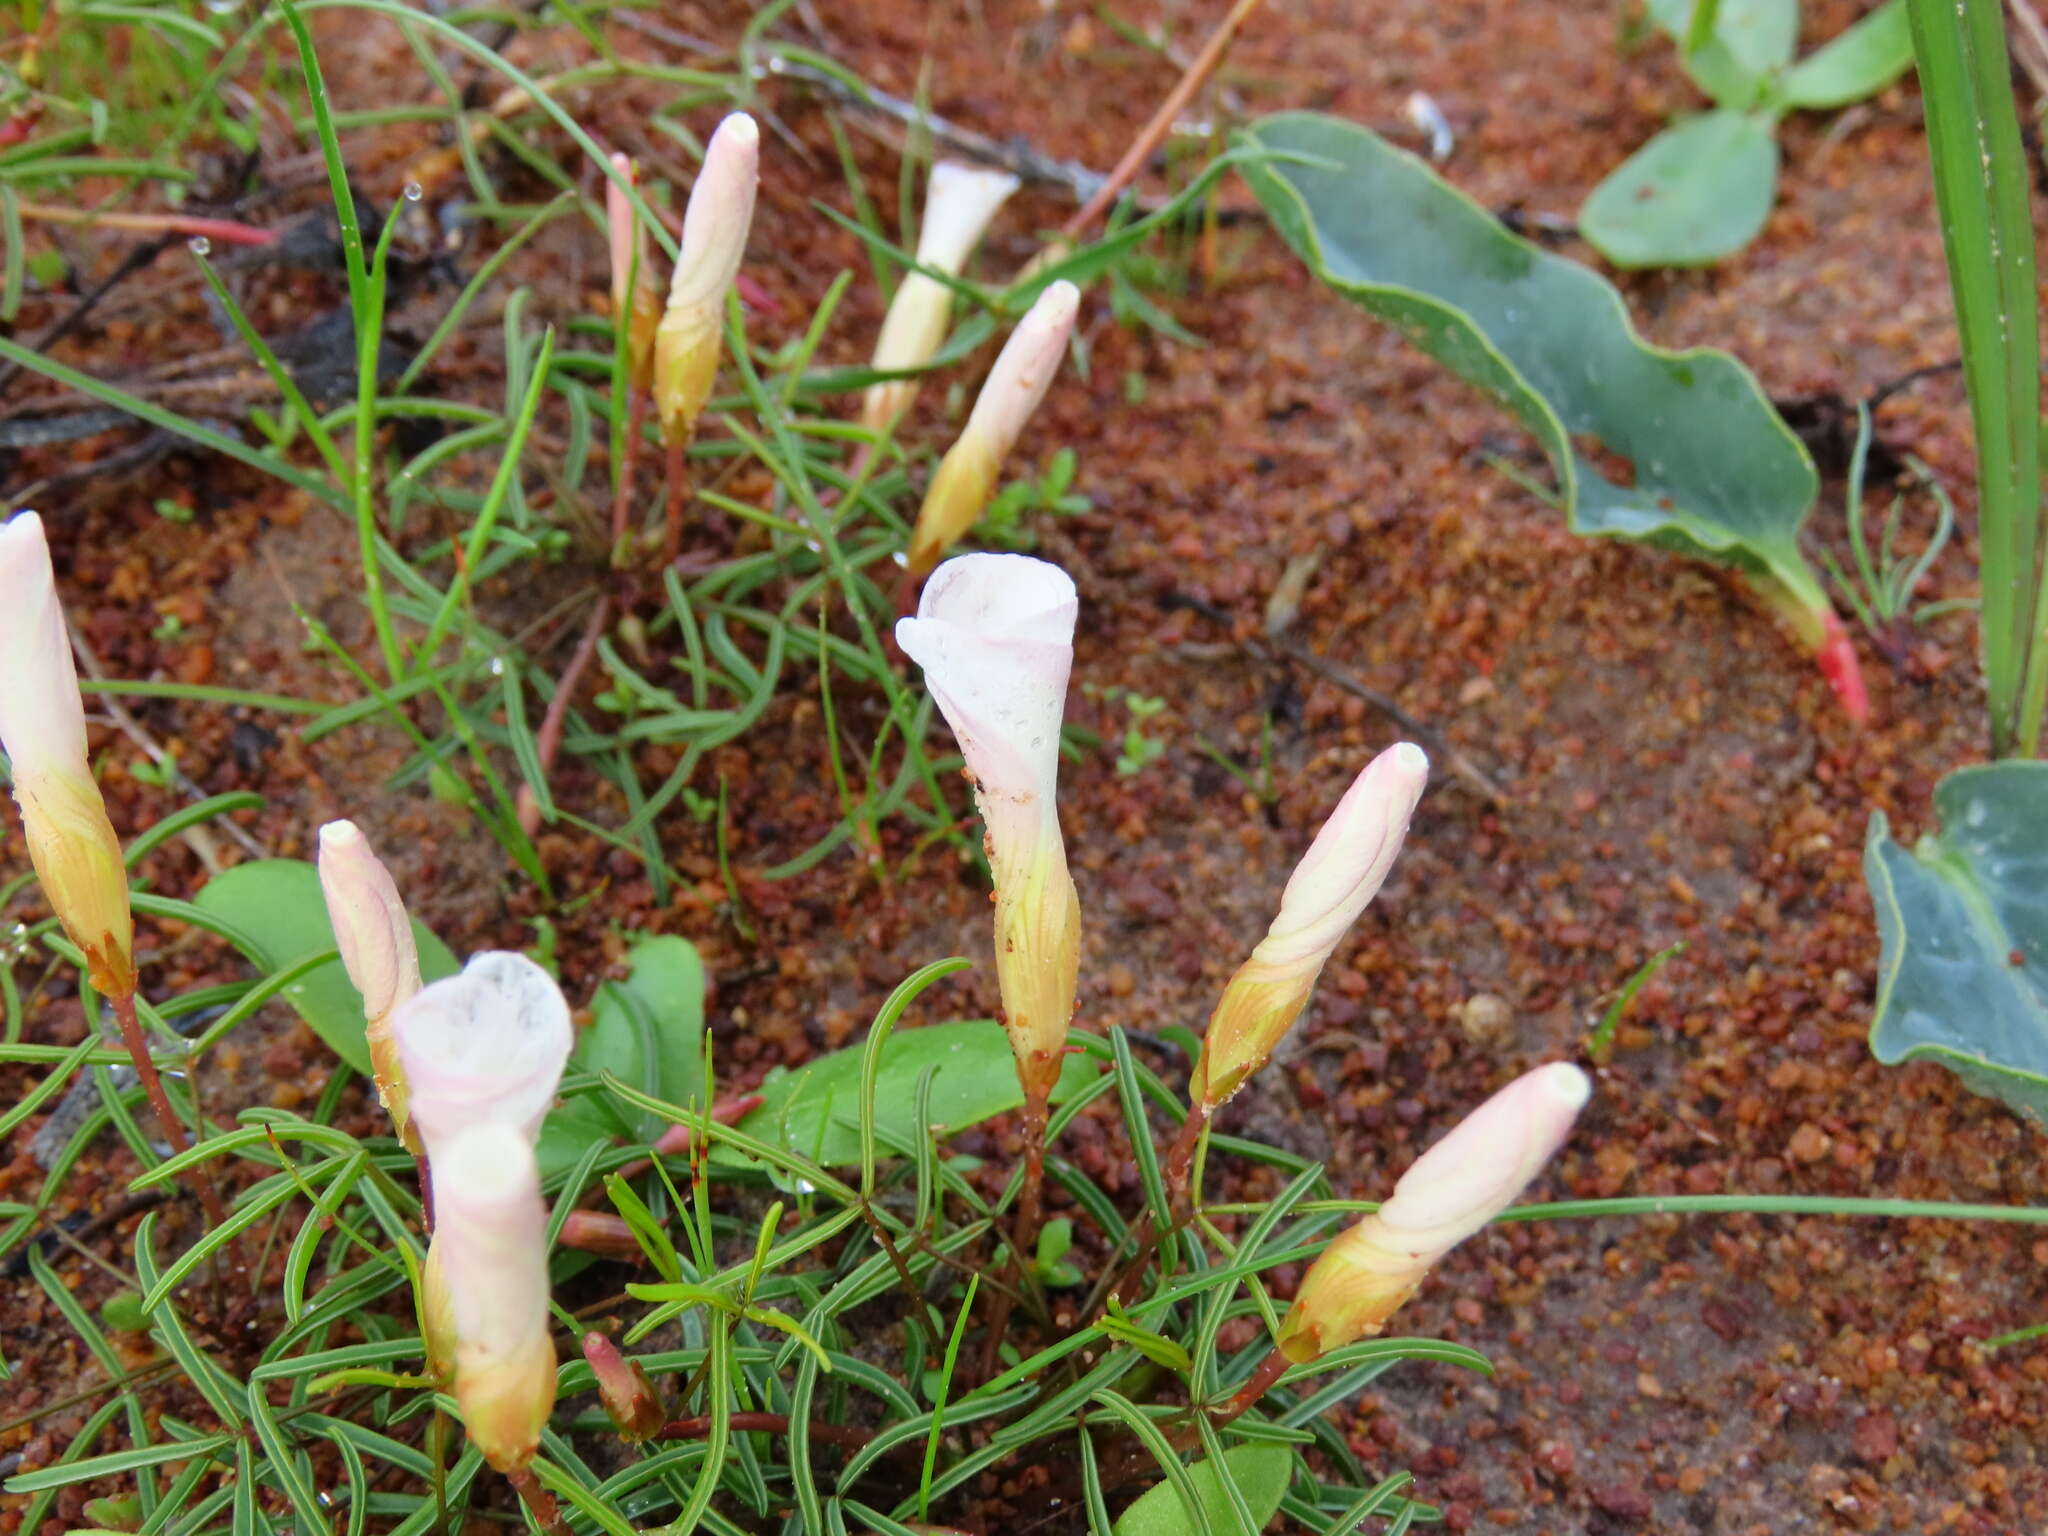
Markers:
{"x": 1408, "y": 760}
{"x": 958, "y": 204}
{"x": 1003, "y": 597}
{"x": 1563, "y": 1086}
{"x": 485, "y": 1045}
{"x": 340, "y": 838}
{"x": 1059, "y": 303}
{"x": 738, "y": 130}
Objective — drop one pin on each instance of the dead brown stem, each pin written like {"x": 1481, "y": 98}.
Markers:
{"x": 1199, "y": 69}
{"x": 772, "y": 1423}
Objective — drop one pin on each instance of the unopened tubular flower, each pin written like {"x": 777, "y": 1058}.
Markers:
{"x": 42, "y": 725}
{"x": 485, "y": 1045}
{"x": 958, "y": 205}
{"x": 636, "y": 298}
{"x": 995, "y": 636}
{"x": 491, "y": 1265}
{"x": 966, "y": 477}
{"x": 691, "y": 335}
{"x": 622, "y": 1386}
{"x": 1450, "y": 1192}
{"x": 374, "y": 935}
{"x": 1341, "y": 872}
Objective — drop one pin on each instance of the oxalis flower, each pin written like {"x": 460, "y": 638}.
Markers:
{"x": 966, "y": 477}
{"x": 488, "y": 1281}
{"x": 691, "y": 336}
{"x": 1451, "y": 1191}
{"x": 374, "y": 935}
{"x": 42, "y": 725}
{"x": 995, "y": 636}
{"x": 484, "y": 1047}
{"x": 959, "y": 202}
{"x": 1341, "y": 872}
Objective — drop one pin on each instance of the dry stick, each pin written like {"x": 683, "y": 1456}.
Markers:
{"x": 1153, "y": 132}
{"x": 153, "y": 1086}
{"x": 539, "y": 1502}
{"x": 771, "y": 1423}
{"x": 1430, "y": 737}
{"x": 547, "y": 741}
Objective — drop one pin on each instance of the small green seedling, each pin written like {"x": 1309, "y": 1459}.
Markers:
{"x": 1002, "y": 525}
{"x": 1702, "y": 188}
{"x": 1880, "y": 593}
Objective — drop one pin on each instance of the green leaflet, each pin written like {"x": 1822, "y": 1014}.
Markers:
{"x": 277, "y": 902}
{"x": 1963, "y": 921}
{"x": 814, "y": 1111}
{"x": 1260, "y": 1471}
{"x": 647, "y": 1031}
{"x": 1717, "y": 473}
{"x": 1689, "y": 196}
{"x": 1702, "y": 189}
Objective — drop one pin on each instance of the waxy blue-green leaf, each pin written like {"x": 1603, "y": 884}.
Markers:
{"x": 1862, "y": 61}
{"x": 277, "y": 903}
{"x": 1963, "y": 921}
{"x": 1693, "y": 194}
{"x": 1748, "y": 42}
{"x": 1716, "y": 472}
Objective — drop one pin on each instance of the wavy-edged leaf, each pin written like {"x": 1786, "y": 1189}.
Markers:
{"x": 1862, "y": 61}
{"x": 1717, "y": 473}
{"x": 1693, "y": 194}
{"x": 1963, "y": 921}
{"x": 1261, "y": 1473}
{"x": 278, "y": 905}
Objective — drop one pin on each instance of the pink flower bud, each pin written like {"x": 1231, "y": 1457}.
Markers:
{"x": 967, "y": 476}
{"x": 958, "y": 205}
{"x": 995, "y": 636}
{"x": 622, "y": 1386}
{"x": 690, "y": 338}
{"x": 636, "y": 297}
{"x": 374, "y": 935}
{"x": 1341, "y": 872}
{"x": 42, "y": 725}
{"x": 484, "y": 1046}
{"x": 490, "y": 1247}
{"x": 1451, "y": 1191}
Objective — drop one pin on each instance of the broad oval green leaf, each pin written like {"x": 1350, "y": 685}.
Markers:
{"x": 1963, "y": 924}
{"x": 1862, "y": 61}
{"x": 1747, "y": 43}
{"x": 648, "y": 1031}
{"x": 1717, "y": 473}
{"x": 814, "y": 1111}
{"x": 277, "y": 903}
{"x": 1261, "y": 1473}
{"x": 1693, "y": 194}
